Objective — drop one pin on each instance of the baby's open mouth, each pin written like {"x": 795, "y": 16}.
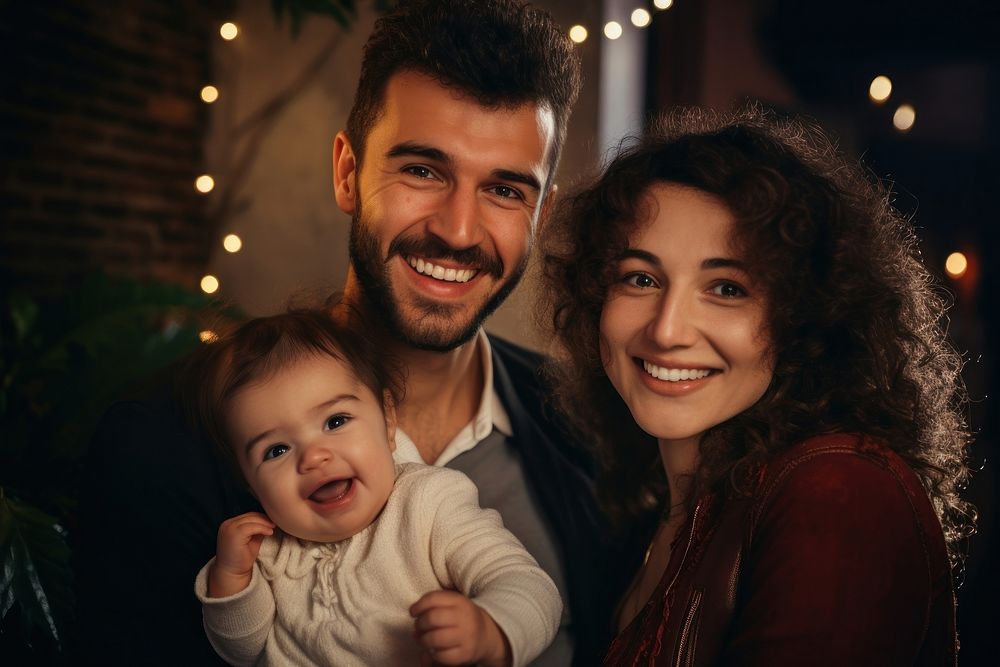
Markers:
{"x": 331, "y": 491}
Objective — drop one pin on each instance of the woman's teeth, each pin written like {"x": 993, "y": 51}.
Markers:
{"x": 675, "y": 374}
{"x": 439, "y": 272}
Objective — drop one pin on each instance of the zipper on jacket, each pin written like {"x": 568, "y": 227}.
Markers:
{"x": 685, "y": 654}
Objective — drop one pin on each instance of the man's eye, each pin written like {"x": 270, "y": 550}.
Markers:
{"x": 640, "y": 280}
{"x": 275, "y": 451}
{"x": 419, "y": 171}
{"x": 729, "y": 291}
{"x": 335, "y": 422}
{"x": 507, "y": 192}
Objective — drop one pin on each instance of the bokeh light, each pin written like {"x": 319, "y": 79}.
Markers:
{"x": 663, "y": 4}
{"x": 880, "y": 89}
{"x": 209, "y": 284}
{"x": 204, "y": 183}
{"x": 904, "y": 117}
{"x": 612, "y": 29}
{"x": 209, "y": 94}
{"x": 232, "y": 243}
{"x": 641, "y": 18}
{"x": 578, "y": 33}
{"x": 956, "y": 265}
{"x": 229, "y": 31}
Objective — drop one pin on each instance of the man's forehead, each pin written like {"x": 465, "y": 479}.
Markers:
{"x": 432, "y": 112}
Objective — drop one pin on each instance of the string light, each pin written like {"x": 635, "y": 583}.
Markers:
{"x": 641, "y": 18}
{"x": 204, "y": 183}
{"x": 209, "y": 284}
{"x": 232, "y": 243}
{"x": 228, "y": 31}
{"x": 208, "y": 336}
{"x": 956, "y": 265}
{"x": 209, "y": 94}
{"x": 904, "y": 117}
{"x": 578, "y": 34}
{"x": 880, "y": 89}
{"x": 663, "y": 4}
{"x": 612, "y": 29}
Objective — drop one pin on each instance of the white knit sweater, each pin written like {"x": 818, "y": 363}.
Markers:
{"x": 347, "y": 603}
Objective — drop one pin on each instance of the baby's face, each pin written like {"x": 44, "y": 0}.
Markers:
{"x": 315, "y": 448}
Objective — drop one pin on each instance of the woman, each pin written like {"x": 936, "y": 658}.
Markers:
{"x": 751, "y": 341}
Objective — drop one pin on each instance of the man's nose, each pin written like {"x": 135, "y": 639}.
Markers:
{"x": 458, "y": 222}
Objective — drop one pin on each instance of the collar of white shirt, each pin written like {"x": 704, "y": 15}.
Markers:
{"x": 491, "y": 414}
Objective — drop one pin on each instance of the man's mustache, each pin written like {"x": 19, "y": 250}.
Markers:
{"x": 430, "y": 248}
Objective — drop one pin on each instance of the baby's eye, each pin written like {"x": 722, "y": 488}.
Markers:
{"x": 275, "y": 451}
{"x": 728, "y": 290}
{"x": 335, "y": 422}
{"x": 640, "y": 280}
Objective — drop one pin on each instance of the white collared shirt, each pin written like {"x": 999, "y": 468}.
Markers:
{"x": 491, "y": 414}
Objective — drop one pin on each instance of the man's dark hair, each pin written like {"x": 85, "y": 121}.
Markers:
{"x": 501, "y": 53}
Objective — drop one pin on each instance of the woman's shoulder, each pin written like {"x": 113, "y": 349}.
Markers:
{"x": 849, "y": 480}
{"x": 839, "y": 456}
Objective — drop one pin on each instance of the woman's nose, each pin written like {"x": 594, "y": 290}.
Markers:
{"x": 672, "y": 324}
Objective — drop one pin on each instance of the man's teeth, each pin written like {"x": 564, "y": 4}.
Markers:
{"x": 441, "y": 273}
{"x": 675, "y": 374}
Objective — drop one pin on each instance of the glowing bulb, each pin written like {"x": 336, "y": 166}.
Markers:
{"x": 232, "y": 243}
{"x": 904, "y": 117}
{"x": 956, "y": 265}
{"x": 204, "y": 183}
{"x": 612, "y": 29}
{"x": 228, "y": 31}
{"x": 880, "y": 89}
{"x": 209, "y": 94}
{"x": 663, "y": 4}
{"x": 578, "y": 33}
{"x": 209, "y": 284}
{"x": 208, "y": 336}
{"x": 641, "y": 18}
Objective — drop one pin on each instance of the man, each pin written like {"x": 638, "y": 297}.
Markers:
{"x": 447, "y": 169}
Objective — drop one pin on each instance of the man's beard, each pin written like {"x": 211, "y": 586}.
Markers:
{"x": 424, "y": 329}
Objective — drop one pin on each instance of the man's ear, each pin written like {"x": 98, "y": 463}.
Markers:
{"x": 389, "y": 408}
{"x": 344, "y": 173}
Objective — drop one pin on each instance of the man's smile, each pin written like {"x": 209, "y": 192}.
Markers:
{"x": 439, "y": 272}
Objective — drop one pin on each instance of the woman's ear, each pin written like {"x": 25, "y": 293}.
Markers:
{"x": 389, "y": 408}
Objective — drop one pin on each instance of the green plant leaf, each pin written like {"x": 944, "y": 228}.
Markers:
{"x": 36, "y": 571}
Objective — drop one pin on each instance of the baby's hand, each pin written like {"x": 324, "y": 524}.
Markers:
{"x": 455, "y": 631}
{"x": 236, "y": 550}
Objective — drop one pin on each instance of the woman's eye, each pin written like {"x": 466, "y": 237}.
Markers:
{"x": 275, "y": 451}
{"x": 335, "y": 422}
{"x": 640, "y": 280}
{"x": 729, "y": 291}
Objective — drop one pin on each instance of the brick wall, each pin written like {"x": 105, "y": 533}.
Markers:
{"x": 101, "y": 130}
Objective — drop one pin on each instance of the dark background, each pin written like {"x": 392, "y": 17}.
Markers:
{"x": 101, "y": 129}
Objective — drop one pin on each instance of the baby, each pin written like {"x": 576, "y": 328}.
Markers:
{"x": 358, "y": 560}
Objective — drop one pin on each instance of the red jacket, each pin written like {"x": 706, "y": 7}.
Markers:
{"x": 837, "y": 559}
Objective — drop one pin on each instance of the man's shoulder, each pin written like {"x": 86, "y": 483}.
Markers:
{"x": 517, "y": 358}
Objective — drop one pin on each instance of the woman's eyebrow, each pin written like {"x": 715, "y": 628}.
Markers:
{"x": 644, "y": 255}
{"x": 723, "y": 263}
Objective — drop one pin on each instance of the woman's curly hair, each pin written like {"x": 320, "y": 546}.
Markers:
{"x": 854, "y": 317}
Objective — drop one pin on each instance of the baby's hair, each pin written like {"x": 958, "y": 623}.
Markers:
{"x": 254, "y": 352}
